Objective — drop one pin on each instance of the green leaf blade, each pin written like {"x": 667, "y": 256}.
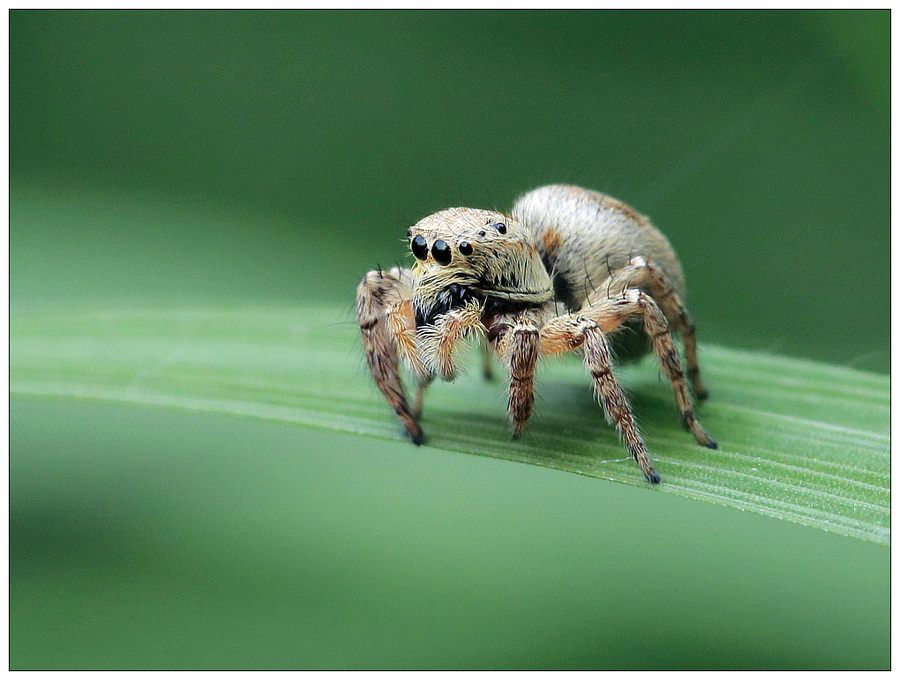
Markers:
{"x": 800, "y": 441}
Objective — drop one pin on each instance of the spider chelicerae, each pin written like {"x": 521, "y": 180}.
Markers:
{"x": 567, "y": 270}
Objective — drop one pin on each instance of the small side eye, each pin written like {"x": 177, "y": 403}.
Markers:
{"x": 441, "y": 252}
{"x": 500, "y": 227}
{"x": 466, "y": 248}
{"x": 409, "y": 233}
{"x": 419, "y": 247}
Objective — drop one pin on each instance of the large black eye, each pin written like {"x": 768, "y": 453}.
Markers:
{"x": 441, "y": 252}
{"x": 465, "y": 248}
{"x": 500, "y": 227}
{"x": 420, "y": 247}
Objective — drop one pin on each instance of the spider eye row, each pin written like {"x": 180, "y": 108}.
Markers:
{"x": 440, "y": 250}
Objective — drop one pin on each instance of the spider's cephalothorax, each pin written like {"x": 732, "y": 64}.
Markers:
{"x": 566, "y": 271}
{"x": 465, "y": 255}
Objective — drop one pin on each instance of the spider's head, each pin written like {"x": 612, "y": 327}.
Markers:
{"x": 467, "y": 254}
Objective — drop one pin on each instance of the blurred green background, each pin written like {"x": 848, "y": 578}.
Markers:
{"x": 192, "y": 157}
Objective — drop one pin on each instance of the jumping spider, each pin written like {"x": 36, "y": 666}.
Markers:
{"x": 506, "y": 278}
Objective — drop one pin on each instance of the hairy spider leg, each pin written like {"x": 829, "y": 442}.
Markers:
{"x": 573, "y": 331}
{"x": 641, "y": 273}
{"x": 385, "y": 318}
{"x": 609, "y": 314}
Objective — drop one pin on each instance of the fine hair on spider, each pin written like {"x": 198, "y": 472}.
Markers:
{"x": 568, "y": 269}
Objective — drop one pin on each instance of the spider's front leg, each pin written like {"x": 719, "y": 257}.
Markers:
{"x": 518, "y": 344}
{"x": 571, "y": 331}
{"x": 387, "y": 323}
{"x": 438, "y": 341}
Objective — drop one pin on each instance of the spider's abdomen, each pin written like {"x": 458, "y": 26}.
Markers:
{"x": 584, "y": 235}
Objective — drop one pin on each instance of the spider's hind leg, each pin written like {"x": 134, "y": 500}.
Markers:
{"x": 639, "y": 273}
{"x": 611, "y": 312}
